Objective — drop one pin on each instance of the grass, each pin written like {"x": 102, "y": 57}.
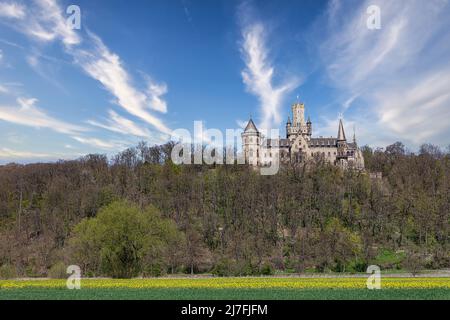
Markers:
{"x": 281, "y": 288}
{"x": 222, "y": 294}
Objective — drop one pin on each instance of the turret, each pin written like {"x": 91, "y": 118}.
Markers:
{"x": 309, "y": 126}
{"x": 288, "y": 127}
{"x": 341, "y": 140}
{"x": 298, "y": 111}
{"x": 251, "y": 143}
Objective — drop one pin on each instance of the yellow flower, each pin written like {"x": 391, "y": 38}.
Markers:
{"x": 244, "y": 283}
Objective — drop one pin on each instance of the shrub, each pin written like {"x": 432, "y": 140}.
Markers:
{"x": 223, "y": 268}
{"x": 357, "y": 265}
{"x": 154, "y": 270}
{"x": 267, "y": 269}
{"x": 58, "y": 271}
{"x": 8, "y": 271}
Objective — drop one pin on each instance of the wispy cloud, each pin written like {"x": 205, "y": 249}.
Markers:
{"x": 26, "y": 113}
{"x": 50, "y": 24}
{"x": 155, "y": 92}
{"x": 398, "y": 73}
{"x": 119, "y": 124}
{"x": 14, "y": 154}
{"x": 107, "y": 68}
{"x": 99, "y": 143}
{"x": 258, "y": 76}
{"x": 12, "y": 10}
{"x": 46, "y": 22}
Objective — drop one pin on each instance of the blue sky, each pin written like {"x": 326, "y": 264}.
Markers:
{"x": 136, "y": 70}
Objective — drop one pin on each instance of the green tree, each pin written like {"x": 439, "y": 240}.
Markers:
{"x": 122, "y": 240}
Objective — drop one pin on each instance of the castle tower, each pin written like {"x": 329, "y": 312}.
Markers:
{"x": 298, "y": 112}
{"x": 341, "y": 141}
{"x": 251, "y": 143}
{"x": 309, "y": 126}
{"x": 288, "y": 127}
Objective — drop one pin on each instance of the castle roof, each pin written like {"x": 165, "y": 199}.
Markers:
{"x": 322, "y": 142}
{"x": 282, "y": 143}
{"x": 250, "y": 126}
{"x": 341, "y": 132}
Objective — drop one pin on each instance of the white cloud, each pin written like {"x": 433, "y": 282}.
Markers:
{"x": 14, "y": 154}
{"x": 107, "y": 68}
{"x": 27, "y": 114}
{"x": 47, "y": 22}
{"x": 12, "y": 10}
{"x": 155, "y": 92}
{"x": 422, "y": 109}
{"x": 259, "y": 73}
{"x": 119, "y": 124}
{"x": 98, "y": 143}
{"x": 398, "y": 74}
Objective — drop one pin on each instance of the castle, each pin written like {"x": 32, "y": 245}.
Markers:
{"x": 299, "y": 145}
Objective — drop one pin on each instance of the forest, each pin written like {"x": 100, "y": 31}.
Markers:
{"x": 138, "y": 214}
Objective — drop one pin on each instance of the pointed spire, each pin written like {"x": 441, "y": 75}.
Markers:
{"x": 354, "y": 134}
{"x": 341, "y": 132}
{"x": 309, "y": 119}
{"x": 250, "y": 126}
{"x": 289, "y": 120}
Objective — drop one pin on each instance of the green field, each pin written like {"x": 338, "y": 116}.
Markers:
{"x": 221, "y": 294}
{"x": 210, "y": 288}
